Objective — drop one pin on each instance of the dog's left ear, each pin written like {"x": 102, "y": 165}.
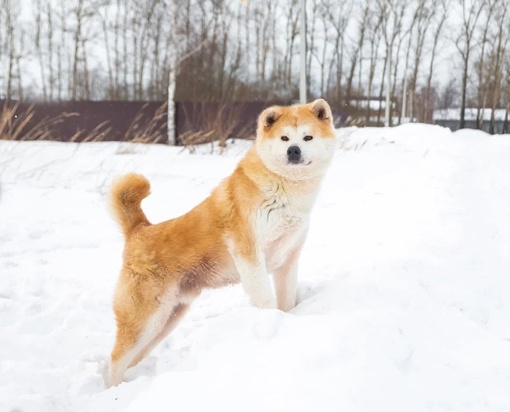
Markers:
{"x": 321, "y": 109}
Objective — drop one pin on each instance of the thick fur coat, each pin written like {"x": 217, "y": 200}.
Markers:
{"x": 252, "y": 225}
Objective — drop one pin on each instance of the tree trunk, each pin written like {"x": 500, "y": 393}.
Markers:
{"x": 431, "y": 66}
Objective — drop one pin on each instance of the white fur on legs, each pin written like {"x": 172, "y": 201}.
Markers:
{"x": 285, "y": 279}
{"x": 255, "y": 281}
{"x": 285, "y": 285}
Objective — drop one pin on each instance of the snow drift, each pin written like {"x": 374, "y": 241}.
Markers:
{"x": 404, "y": 282}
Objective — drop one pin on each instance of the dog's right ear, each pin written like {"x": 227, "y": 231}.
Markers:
{"x": 269, "y": 117}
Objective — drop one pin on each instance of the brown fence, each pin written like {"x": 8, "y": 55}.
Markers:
{"x": 127, "y": 121}
{"x": 83, "y": 121}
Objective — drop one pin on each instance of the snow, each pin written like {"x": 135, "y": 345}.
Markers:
{"x": 404, "y": 288}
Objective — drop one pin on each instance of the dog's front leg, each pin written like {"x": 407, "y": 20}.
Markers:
{"x": 285, "y": 278}
{"x": 254, "y": 278}
{"x": 285, "y": 283}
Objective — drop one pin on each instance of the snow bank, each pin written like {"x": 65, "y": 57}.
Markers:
{"x": 403, "y": 288}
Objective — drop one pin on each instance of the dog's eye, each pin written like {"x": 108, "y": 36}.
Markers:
{"x": 285, "y": 138}
{"x": 307, "y": 138}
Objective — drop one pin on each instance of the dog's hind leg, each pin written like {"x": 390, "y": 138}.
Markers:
{"x": 177, "y": 313}
{"x": 140, "y": 319}
{"x": 135, "y": 340}
{"x": 131, "y": 340}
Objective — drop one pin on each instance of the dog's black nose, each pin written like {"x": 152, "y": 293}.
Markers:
{"x": 294, "y": 154}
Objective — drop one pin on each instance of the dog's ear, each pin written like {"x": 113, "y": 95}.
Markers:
{"x": 269, "y": 116}
{"x": 321, "y": 109}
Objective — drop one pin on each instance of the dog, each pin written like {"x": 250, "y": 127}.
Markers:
{"x": 253, "y": 224}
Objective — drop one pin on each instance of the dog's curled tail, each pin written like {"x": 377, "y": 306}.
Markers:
{"x": 126, "y": 194}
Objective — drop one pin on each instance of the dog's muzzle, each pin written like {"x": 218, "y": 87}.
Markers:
{"x": 294, "y": 154}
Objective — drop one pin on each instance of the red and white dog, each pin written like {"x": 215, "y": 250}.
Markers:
{"x": 252, "y": 225}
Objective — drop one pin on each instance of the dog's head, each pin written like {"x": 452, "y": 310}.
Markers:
{"x": 296, "y": 142}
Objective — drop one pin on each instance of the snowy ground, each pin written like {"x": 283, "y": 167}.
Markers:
{"x": 404, "y": 283}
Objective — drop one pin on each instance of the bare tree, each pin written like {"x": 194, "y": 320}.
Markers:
{"x": 50, "y": 44}
{"x": 79, "y": 14}
{"x": 43, "y": 39}
{"x": 426, "y": 11}
{"x": 82, "y": 12}
{"x": 332, "y": 23}
{"x": 39, "y": 29}
{"x": 322, "y": 55}
{"x": 481, "y": 90}
{"x": 11, "y": 14}
{"x": 441, "y": 16}
{"x": 409, "y": 33}
{"x": 61, "y": 53}
{"x": 374, "y": 38}
{"x": 392, "y": 14}
{"x": 105, "y": 24}
{"x": 471, "y": 10}
{"x": 292, "y": 30}
{"x": 143, "y": 18}
{"x": 356, "y": 53}
{"x": 311, "y": 22}
{"x": 506, "y": 122}
{"x": 501, "y": 40}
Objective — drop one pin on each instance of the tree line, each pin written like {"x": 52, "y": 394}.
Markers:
{"x": 426, "y": 54}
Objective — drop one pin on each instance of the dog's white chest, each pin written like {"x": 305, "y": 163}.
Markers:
{"x": 281, "y": 221}
{"x": 279, "y": 214}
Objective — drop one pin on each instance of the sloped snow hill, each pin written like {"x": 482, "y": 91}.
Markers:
{"x": 404, "y": 283}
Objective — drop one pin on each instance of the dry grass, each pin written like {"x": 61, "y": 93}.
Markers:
{"x": 96, "y": 135}
{"x": 19, "y": 125}
{"x": 216, "y": 126}
{"x": 14, "y": 126}
{"x": 148, "y": 131}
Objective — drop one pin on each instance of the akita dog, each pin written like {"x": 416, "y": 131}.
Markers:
{"x": 252, "y": 225}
